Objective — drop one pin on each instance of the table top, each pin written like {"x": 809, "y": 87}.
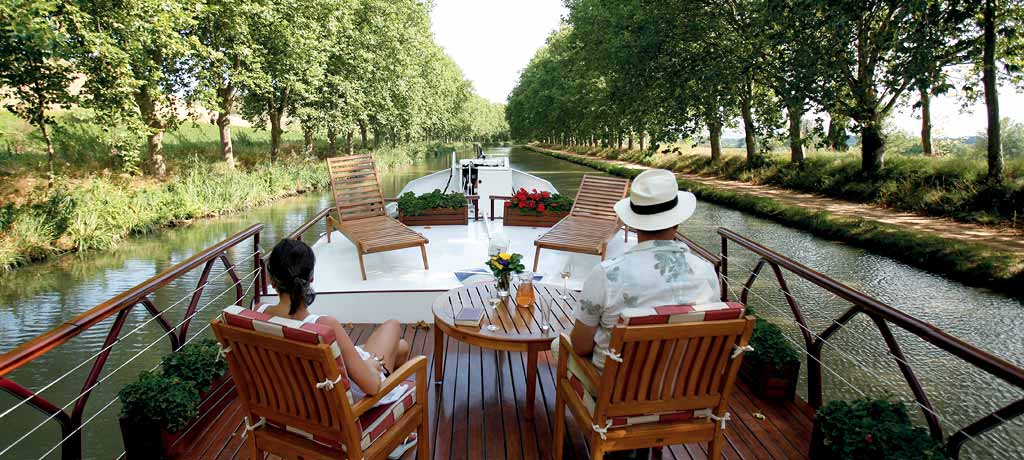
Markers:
{"x": 513, "y": 323}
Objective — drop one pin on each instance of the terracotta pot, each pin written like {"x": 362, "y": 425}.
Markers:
{"x": 515, "y": 217}
{"x": 770, "y": 382}
{"x": 441, "y": 216}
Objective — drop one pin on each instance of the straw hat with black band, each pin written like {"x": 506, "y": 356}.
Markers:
{"x": 655, "y": 202}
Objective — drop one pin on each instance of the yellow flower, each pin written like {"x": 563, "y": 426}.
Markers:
{"x": 496, "y": 264}
{"x": 505, "y": 255}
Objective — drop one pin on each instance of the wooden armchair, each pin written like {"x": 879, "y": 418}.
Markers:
{"x": 665, "y": 381}
{"x": 297, "y": 397}
{"x": 590, "y": 223}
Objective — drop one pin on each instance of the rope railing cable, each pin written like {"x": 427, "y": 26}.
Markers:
{"x": 105, "y": 407}
{"x": 152, "y": 318}
{"x": 838, "y": 349}
{"x": 128, "y": 361}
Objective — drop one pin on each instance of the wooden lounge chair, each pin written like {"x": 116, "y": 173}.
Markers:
{"x": 361, "y": 215}
{"x": 297, "y": 399}
{"x": 667, "y": 380}
{"x": 590, "y": 223}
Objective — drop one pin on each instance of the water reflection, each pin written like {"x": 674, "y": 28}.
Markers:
{"x": 39, "y": 297}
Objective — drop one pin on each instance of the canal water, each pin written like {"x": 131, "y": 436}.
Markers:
{"x": 37, "y": 298}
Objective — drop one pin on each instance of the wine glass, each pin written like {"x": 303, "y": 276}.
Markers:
{"x": 566, "y": 273}
{"x": 494, "y": 301}
{"x": 544, "y": 305}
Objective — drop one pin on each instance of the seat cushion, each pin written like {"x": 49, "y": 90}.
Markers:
{"x": 311, "y": 333}
{"x": 586, "y": 390}
{"x": 671, "y": 314}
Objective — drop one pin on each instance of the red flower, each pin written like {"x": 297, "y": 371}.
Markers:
{"x": 867, "y": 439}
{"x": 522, "y": 204}
{"x": 545, "y": 195}
{"x": 533, "y": 196}
{"x": 531, "y": 204}
{"x": 540, "y": 207}
{"x": 508, "y": 204}
{"x": 553, "y": 205}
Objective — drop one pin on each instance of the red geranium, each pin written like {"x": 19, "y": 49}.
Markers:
{"x": 540, "y": 201}
{"x": 540, "y": 207}
{"x": 545, "y": 195}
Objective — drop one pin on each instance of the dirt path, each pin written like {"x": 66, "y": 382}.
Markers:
{"x": 1002, "y": 239}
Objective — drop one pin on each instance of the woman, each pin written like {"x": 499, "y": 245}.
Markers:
{"x": 291, "y": 274}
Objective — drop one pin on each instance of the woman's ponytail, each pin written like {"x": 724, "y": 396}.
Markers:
{"x": 291, "y": 268}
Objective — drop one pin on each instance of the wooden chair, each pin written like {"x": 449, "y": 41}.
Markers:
{"x": 670, "y": 384}
{"x": 590, "y": 223}
{"x": 297, "y": 398}
{"x": 360, "y": 209}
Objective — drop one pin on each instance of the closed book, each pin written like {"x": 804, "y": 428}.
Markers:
{"x": 469, "y": 317}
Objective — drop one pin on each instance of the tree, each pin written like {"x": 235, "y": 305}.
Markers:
{"x": 36, "y": 61}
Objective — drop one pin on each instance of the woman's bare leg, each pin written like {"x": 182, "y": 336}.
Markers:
{"x": 385, "y": 341}
{"x": 403, "y": 353}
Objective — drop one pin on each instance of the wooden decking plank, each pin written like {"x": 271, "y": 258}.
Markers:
{"x": 509, "y": 408}
{"x": 517, "y": 365}
{"x": 492, "y": 420}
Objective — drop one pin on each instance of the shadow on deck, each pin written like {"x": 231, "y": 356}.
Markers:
{"x": 477, "y": 413}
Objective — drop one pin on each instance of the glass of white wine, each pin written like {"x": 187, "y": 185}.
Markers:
{"x": 566, "y": 273}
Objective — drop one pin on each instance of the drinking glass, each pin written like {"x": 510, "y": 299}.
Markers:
{"x": 524, "y": 293}
{"x": 566, "y": 273}
{"x": 544, "y": 304}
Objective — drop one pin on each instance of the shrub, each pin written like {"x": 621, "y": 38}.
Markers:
{"x": 771, "y": 347}
{"x": 411, "y": 204}
{"x": 871, "y": 429}
{"x": 169, "y": 402}
{"x": 198, "y": 362}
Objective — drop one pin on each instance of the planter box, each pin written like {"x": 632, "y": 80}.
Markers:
{"x": 521, "y": 219}
{"x": 770, "y": 382}
{"x": 148, "y": 441}
{"x": 443, "y": 216}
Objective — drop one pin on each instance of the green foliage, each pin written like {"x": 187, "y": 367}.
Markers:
{"x": 410, "y": 204}
{"x": 167, "y": 401}
{"x": 198, "y": 362}
{"x": 539, "y": 202}
{"x": 771, "y": 347}
{"x": 505, "y": 264}
{"x": 872, "y": 429}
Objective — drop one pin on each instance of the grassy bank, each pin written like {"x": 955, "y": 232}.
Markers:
{"x": 93, "y": 202}
{"x": 971, "y": 263}
{"x": 952, "y": 186}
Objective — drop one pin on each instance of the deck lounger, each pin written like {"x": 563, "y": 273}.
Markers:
{"x": 360, "y": 210}
{"x": 590, "y": 223}
{"x": 667, "y": 379}
{"x": 298, "y": 401}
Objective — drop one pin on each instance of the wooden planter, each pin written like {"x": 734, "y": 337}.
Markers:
{"x": 442, "y": 216}
{"x": 523, "y": 219}
{"x": 770, "y": 382}
{"x": 149, "y": 441}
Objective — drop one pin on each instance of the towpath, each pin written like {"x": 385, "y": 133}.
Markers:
{"x": 999, "y": 238}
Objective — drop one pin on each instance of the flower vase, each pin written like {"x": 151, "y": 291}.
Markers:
{"x": 503, "y": 285}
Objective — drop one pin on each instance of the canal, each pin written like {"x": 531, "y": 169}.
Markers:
{"x": 36, "y": 298}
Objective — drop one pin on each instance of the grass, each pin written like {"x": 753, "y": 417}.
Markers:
{"x": 950, "y": 186}
{"x": 971, "y": 263}
{"x": 94, "y": 201}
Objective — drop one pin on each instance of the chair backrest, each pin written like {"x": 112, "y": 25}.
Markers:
{"x": 673, "y": 361}
{"x": 355, "y": 186}
{"x": 597, "y": 196}
{"x": 279, "y": 367}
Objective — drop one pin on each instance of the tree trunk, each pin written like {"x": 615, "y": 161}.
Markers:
{"x": 155, "y": 132}
{"x": 749, "y": 137}
{"x": 926, "y": 123}
{"x": 715, "y": 137}
{"x": 629, "y": 141}
{"x": 618, "y": 141}
{"x": 362, "y": 135}
{"x": 872, "y": 146}
{"x": 994, "y": 148}
{"x": 376, "y": 138}
{"x": 275, "y": 134}
{"x": 837, "y": 135}
{"x": 227, "y": 150}
{"x": 307, "y": 140}
{"x": 642, "y": 136}
{"x": 796, "y": 144}
{"x": 332, "y": 141}
{"x": 348, "y": 142}
{"x": 41, "y": 121}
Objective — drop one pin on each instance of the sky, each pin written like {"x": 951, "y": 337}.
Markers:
{"x": 493, "y": 40}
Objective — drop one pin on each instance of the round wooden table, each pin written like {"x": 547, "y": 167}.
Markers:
{"x": 515, "y": 328}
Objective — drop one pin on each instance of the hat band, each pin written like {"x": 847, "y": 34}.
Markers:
{"x": 648, "y": 209}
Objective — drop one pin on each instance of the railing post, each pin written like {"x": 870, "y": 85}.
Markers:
{"x": 725, "y": 269}
{"x": 257, "y": 255}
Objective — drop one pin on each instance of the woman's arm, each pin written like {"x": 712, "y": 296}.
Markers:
{"x": 366, "y": 374}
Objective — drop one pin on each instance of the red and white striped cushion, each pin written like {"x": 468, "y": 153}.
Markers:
{"x": 670, "y": 314}
{"x": 584, "y": 389}
{"x": 311, "y": 333}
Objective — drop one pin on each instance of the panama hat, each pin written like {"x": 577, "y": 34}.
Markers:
{"x": 655, "y": 202}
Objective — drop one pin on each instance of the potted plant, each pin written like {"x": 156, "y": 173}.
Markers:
{"x": 503, "y": 265}
{"x": 536, "y": 209}
{"x": 433, "y": 208}
{"x": 773, "y": 368}
{"x": 870, "y": 429}
{"x": 158, "y": 409}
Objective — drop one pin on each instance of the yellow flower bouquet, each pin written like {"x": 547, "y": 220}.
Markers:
{"x": 503, "y": 265}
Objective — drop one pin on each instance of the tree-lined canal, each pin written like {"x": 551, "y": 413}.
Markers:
{"x": 36, "y": 298}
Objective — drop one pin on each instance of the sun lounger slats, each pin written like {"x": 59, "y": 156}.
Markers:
{"x": 360, "y": 206}
{"x": 590, "y": 223}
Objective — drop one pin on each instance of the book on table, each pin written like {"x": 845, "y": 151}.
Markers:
{"x": 469, "y": 317}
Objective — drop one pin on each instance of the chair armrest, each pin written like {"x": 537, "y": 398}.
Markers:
{"x": 417, "y": 365}
{"x": 584, "y": 364}
{"x": 391, "y": 200}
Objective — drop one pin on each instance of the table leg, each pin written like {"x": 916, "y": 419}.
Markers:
{"x": 438, "y": 355}
{"x": 531, "y": 381}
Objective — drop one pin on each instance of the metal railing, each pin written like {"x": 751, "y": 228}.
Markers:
{"x": 119, "y": 307}
{"x": 884, "y": 318}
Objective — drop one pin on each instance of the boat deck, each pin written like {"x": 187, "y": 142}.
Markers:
{"x": 477, "y": 413}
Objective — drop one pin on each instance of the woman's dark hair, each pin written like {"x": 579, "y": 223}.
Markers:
{"x": 291, "y": 268}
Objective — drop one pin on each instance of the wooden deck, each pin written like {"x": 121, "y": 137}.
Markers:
{"x": 478, "y": 413}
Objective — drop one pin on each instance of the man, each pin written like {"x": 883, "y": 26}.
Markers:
{"x": 657, "y": 271}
